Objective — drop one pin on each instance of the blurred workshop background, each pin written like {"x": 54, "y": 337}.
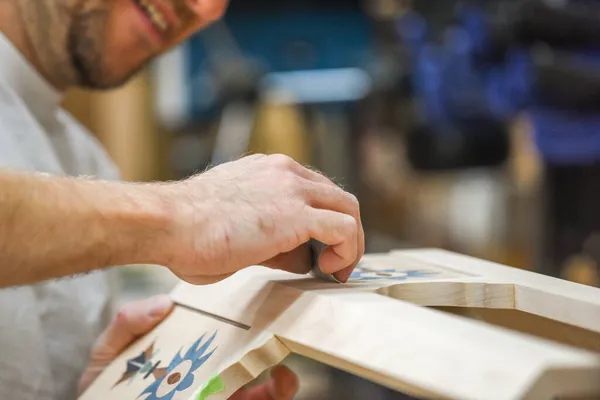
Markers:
{"x": 472, "y": 126}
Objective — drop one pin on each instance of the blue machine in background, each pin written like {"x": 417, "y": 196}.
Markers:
{"x": 490, "y": 65}
{"x": 314, "y": 52}
{"x": 493, "y": 60}
{"x": 273, "y": 41}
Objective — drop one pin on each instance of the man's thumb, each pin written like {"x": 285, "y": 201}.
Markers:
{"x": 135, "y": 320}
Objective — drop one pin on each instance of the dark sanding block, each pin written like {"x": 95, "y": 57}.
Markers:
{"x": 316, "y": 249}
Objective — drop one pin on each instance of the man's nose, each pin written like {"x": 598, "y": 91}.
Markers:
{"x": 208, "y": 10}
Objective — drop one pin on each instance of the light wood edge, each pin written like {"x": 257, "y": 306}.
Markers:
{"x": 373, "y": 376}
{"x": 453, "y": 294}
{"x": 295, "y": 310}
{"x": 248, "y": 367}
{"x": 574, "y": 364}
{"x": 498, "y": 273}
{"x": 571, "y": 383}
{"x": 560, "y": 300}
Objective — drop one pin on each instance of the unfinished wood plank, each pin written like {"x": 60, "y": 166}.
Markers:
{"x": 531, "y": 324}
{"x": 454, "y": 294}
{"x": 380, "y": 326}
{"x": 397, "y": 344}
{"x": 556, "y": 299}
{"x": 184, "y": 354}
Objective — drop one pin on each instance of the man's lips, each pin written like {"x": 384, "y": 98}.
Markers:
{"x": 160, "y": 15}
{"x": 173, "y": 22}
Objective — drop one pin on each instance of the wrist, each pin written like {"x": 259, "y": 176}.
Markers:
{"x": 138, "y": 222}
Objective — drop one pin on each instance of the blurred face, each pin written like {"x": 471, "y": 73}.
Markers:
{"x": 100, "y": 44}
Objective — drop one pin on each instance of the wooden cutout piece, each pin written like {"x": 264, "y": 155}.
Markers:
{"x": 560, "y": 300}
{"x": 358, "y": 328}
{"x": 531, "y": 324}
{"x": 365, "y": 328}
{"x": 194, "y": 349}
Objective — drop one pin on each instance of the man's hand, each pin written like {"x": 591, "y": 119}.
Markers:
{"x": 283, "y": 385}
{"x": 260, "y": 210}
{"x": 133, "y": 321}
{"x": 139, "y": 318}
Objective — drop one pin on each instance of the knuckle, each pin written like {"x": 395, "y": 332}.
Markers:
{"x": 252, "y": 156}
{"x": 349, "y": 200}
{"x": 292, "y": 184}
{"x": 348, "y": 224}
{"x": 281, "y": 160}
{"x": 295, "y": 210}
{"x": 353, "y": 200}
{"x": 344, "y": 228}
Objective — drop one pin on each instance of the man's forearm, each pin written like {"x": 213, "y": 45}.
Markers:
{"x": 53, "y": 227}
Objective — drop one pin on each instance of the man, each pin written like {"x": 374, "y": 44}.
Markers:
{"x": 75, "y": 219}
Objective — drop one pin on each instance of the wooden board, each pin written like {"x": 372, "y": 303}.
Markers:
{"x": 185, "y": 353}
{"x": 389, "y": 325}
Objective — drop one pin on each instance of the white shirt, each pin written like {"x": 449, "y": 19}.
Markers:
{"x": 46, "y": 330}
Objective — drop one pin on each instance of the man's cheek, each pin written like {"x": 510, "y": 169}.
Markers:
{"x": 207, "y": 11}
{"x": 215, "y": 9}
{"x": 194, "y": 15}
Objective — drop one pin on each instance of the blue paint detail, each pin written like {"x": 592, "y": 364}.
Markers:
{"x": 359, "y": 274}
{"x": 197, "y": 354}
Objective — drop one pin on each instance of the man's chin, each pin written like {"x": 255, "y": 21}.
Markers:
{"x": 104, "y": 81}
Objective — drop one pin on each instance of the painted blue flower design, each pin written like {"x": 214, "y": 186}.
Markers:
{"x": 363, "y": 274}
{"x": 180, "y": 372}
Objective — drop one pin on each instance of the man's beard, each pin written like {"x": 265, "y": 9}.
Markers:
{"x": 84, "y": 46}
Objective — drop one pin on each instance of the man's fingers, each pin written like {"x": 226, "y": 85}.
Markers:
{"x": 342, "y": 256}
{"x": 297, "y": 261}
{"x": 345, "y": 274}
{"x": 337, "y": 230}
{"x": 133, "y": 321}
{"x": 307, "y": 173}
{"x": 313, "y": 175}
{"x": 333, "y": 198}
{"x": 320, "y": 195}
{"x": 283, "y": 385}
